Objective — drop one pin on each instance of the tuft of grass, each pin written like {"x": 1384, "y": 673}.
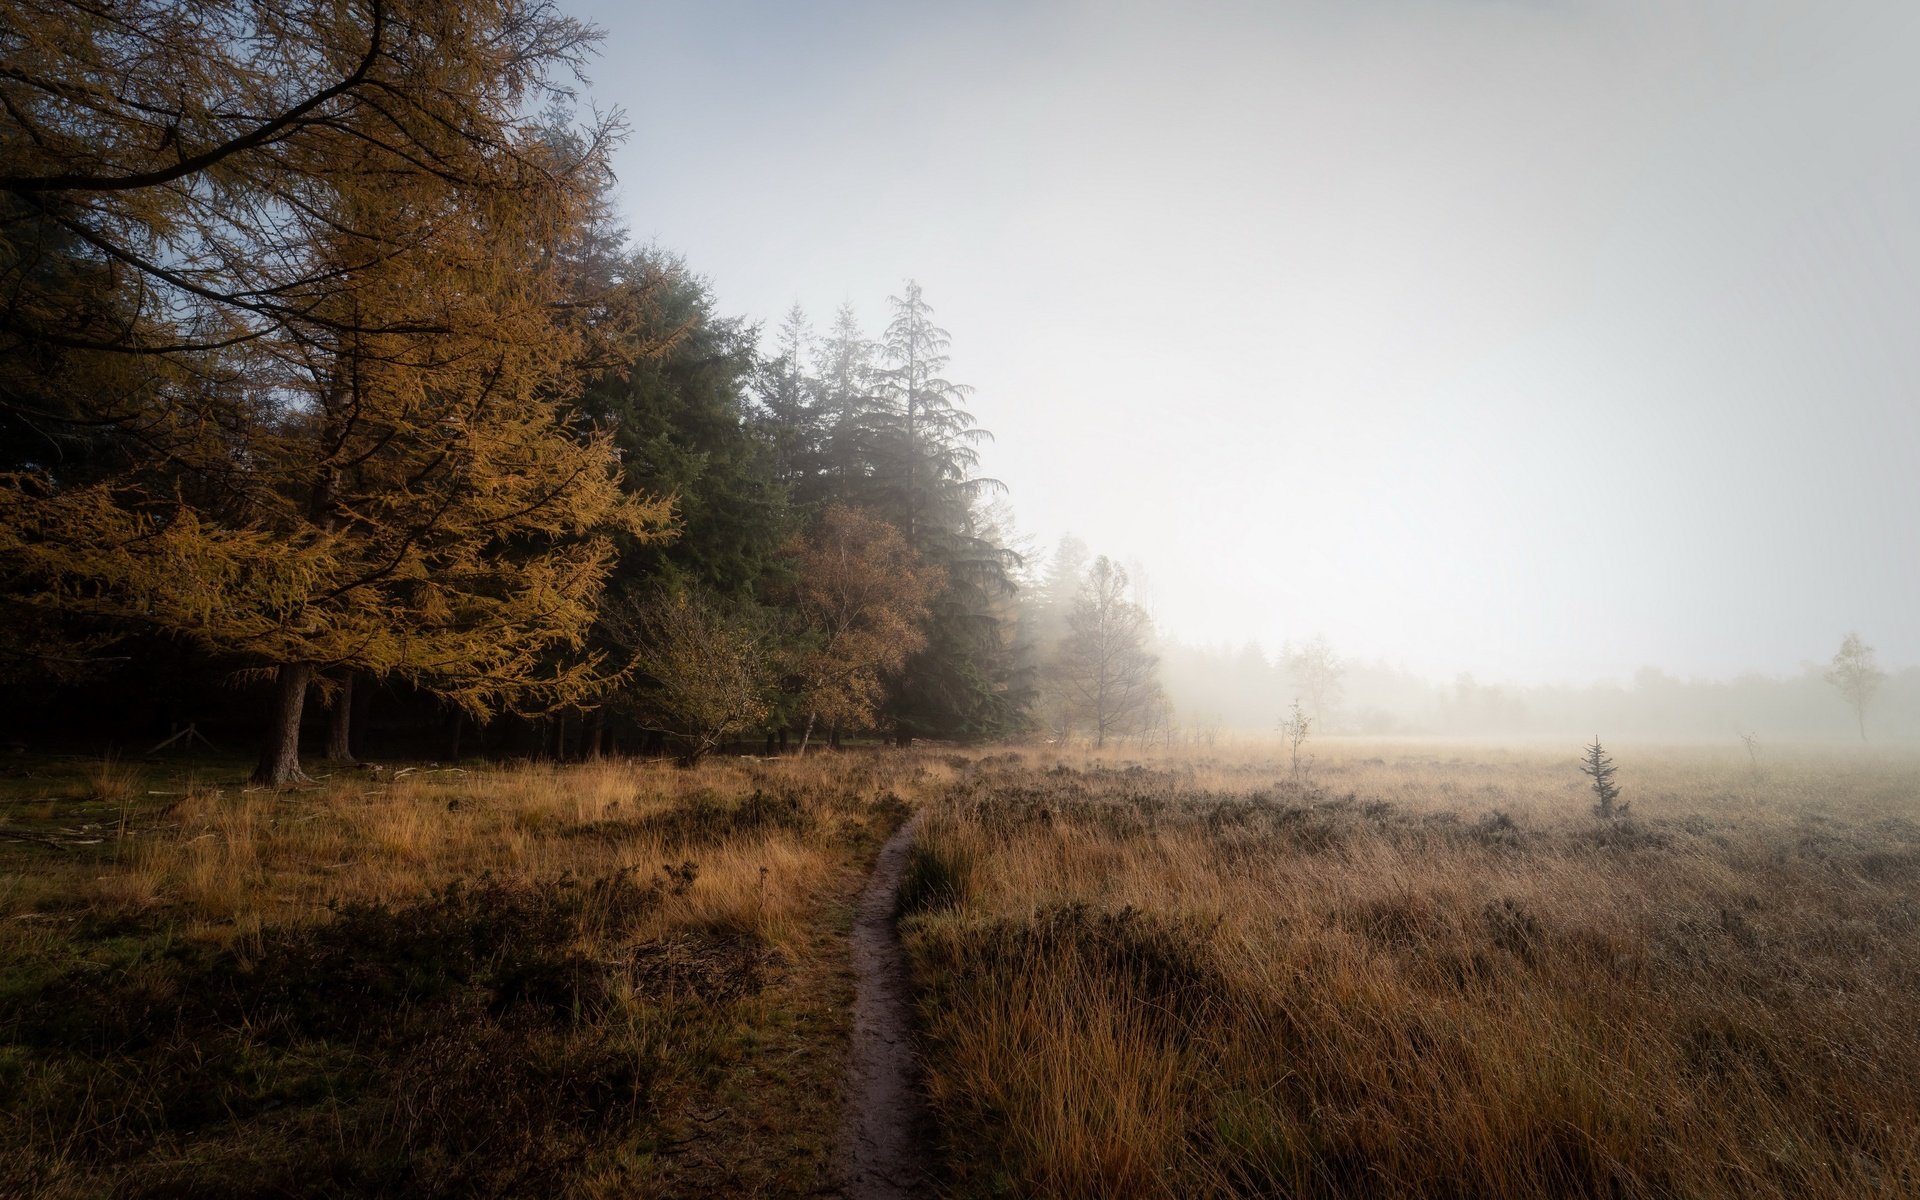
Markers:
{"x": 110, "y": 781}
{"x": 936, "y": 878}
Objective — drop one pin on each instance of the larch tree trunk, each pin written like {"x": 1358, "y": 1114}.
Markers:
{"x": 590, "y": 737}
{"x": 340, "y": 722}
{"x": 362, "y": 700}
{"x": 280, "y": 758}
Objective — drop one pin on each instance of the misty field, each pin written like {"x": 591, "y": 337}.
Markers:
{"x": 1405, "y": 970}
{"x": 1424, "y": 971}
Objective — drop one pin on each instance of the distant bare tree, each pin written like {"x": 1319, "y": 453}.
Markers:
{"x": 1858, "y": 677}
{"x": 1107, "y": 675}
{"x": 1318, "y": 671}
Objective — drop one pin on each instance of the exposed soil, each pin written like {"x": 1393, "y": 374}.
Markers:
{"x": 882, "y": 1144}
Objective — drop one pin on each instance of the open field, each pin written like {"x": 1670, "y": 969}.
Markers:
{"x": 1412, "y": 969}
{"x": 1424, "y": 970}
{"x": 597, "y": 980}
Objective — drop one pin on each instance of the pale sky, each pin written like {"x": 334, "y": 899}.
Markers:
{"x": 1540, "y": 340}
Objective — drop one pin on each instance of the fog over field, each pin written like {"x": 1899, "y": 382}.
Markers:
{"x": 1074, "y": 599}
{"x": 1542, "y": 341}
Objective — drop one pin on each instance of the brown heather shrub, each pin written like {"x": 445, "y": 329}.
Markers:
{"x": 1424, "y": 976}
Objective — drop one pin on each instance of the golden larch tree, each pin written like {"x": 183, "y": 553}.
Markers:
{"x": 324, "y": 255}
{"x": 861, "y": 595}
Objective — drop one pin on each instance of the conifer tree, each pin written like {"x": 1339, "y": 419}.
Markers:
{"x": 1598, "y": 767}
{"x": 922, "y": 436}
{"x": 903, "y": 445}
{"x": 844, "y": 369}
{"x": 1060, "y": 586}
{"x": 791, "y": 414}
{"x": 680, "y": 418}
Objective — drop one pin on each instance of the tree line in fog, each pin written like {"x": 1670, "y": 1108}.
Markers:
{"x": 329, "y": 379}
{"x": 328, "y": 373}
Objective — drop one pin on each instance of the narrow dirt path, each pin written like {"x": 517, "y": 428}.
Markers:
{"x": 882, "y": 1154}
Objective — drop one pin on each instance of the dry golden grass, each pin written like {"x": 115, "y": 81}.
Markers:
{"x": 221, "y": 854}
{"x": 1425, "y": 970}
{"x": 1422, "y": 969}
{"x": 634, "y": 989}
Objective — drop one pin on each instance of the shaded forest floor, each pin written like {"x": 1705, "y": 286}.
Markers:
{"x": 604, "y": 980}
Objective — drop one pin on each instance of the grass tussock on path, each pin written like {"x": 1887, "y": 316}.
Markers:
{"x": 1422, "y": 972}
{"x": 614, "y": 980}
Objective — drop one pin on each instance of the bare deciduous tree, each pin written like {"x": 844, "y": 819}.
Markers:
{"x": 1317, "y": 671}
{"x": 701, "y": 669}
{"x": 1107, "y": 675}
{"x": 1857, "y": 675}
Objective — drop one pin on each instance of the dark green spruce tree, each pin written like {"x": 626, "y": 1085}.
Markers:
{"x": 790, "y": 416}
{"x": 844, "y": 397}
{"x": 917, "y": 448}
{"x": 680, "y": 415}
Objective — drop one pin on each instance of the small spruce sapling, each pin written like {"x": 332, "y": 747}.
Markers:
{"x": 1599, "y": 767}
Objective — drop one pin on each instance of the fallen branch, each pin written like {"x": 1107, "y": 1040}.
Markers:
{"x": 37, "y": 839}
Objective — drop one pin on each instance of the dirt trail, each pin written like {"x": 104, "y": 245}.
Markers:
{"x": 882, "y": 1151}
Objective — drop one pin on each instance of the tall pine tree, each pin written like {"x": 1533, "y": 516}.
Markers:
{"x": 680, "y": 418}
{"x": 843, "y": 392}
{"x": 920, "y": 449}
{"x": 790, "y": 413}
